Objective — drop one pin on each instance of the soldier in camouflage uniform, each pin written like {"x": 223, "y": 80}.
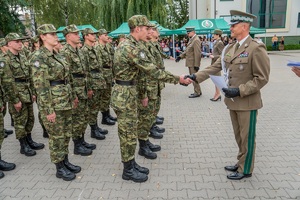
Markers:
{"x": 3, "y": 51}
{"x": 131, "y": 58}
{"x": 78, "y": 70}
{"x": 4, "y": 166}
{"x": 121, "y": 38}
{"x": 96, "y": 82}
{"x": 51, "y": 79}
{"x": 21, "y": 98}
{"x": 106, "y": 55}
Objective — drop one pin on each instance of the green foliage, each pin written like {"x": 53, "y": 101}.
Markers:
{"x": 9, "y": 13}
{"x": 287, "y": 47}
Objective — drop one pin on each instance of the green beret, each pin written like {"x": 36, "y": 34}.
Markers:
{"x": 70, "y": 29}
{"x": 239, "y": 16}
{"x": 139, "y": 20}
{"x": 46, "y": 28}
{"x": 218, "y": 32}
{"x": 87, "y": 31}
{"x": 2, "y": 42}
{"x": 12, "y": 37}
{"x": 190, "y": 29}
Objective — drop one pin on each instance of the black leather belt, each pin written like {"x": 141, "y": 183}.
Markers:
{"x": 21, "y": 80}
{"x": 131, "y": 82}
{"x": 58, "y": 82}
{"x": 106, "y": 67}
{"x": 76, "y": 75}
{"x": 94, "y": 71}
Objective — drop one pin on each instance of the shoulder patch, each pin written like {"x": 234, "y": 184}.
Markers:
{"x": 2, "y": 64}
{"x": 36, "y": 63}
{"x": 142, "y": 54}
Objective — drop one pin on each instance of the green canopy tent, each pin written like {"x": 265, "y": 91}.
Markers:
{"x": 80, "y": 27}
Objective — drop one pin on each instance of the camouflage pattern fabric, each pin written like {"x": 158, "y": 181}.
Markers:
{"x": 78, "y": 66}
{"x": 1, "y": 130}
{"x": 47, "y": 67}
{"x": 130, "y": 58}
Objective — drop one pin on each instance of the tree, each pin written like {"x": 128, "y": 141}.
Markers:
{"x": 9, "y": 16}
{"x": 178, "y": 13}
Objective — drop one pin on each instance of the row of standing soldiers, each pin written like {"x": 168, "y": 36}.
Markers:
{"x": 70, "y": 85}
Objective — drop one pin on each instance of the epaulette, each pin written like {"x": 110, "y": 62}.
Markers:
{"x": 258, "y": 41}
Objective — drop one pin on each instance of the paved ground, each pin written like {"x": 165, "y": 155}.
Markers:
{"x": 197, "y": 144}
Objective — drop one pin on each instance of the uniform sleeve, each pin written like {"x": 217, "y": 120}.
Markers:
{"x": 260, "y": 70}
{"x": 42, "y": 85}
{"x": 8, "y": 83}
{"x": 197, "y": 53}
{"x": 219, "y": 49}
{"x": 67, "y": 58}
{"x": 210, "y": 70}
{"x": 142, "y": 85}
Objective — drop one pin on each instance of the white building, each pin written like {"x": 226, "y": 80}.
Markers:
{"x": 280, "y": 17}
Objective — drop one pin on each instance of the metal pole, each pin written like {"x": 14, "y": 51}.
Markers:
{"x": 215, "y": 9}
{"x": 32, "y": 20}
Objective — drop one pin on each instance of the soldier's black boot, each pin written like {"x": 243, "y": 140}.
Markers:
{"x": 153, "y": 147}
{"x": 159, "y": 121}
{"x": 101, "y": 130}
{"x": 131, "y": 173}
{"x": 45, "y": 132}
{"x": 111, "y": 117}
{"x": 106, "y": 120}
{"x": 34, "y": 145}
{"x": 73, "y": 168}
{"x": 63, "y": 172}
{"x": 146, "y": 151}
{"x": 95, "y": 133}
{"x": 12, "y": 122}
{"x": 25, "y": 148}
{"x": 5, "y": 166}
{"x": 1, "y": 174}
{"x": 141, "y": 169}
{"x": 5, "y": 135}
{"x": 8, "y": 132}
{"x": 160, "y": 117}
{"x": 158, "y": 129}
{"x": 154, "y": 134}
{"x": 79, "y": 149}
{"x": 87, "y": 145}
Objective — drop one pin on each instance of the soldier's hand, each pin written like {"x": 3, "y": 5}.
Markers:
{"x": 185, "y": 80}
{"x": 172, "y": 58}
{"x": 231, "y": 92}
{"x": 33, "y": 98}
{"x": 2, "y": 108}
{"x": 51, "y": 117}
{"x": 145, "y": 102}
{"x": 90, "y": 94}
{"x": 296, "y": 71}
{"x": 192, "y": 76}
{"x": 18, "y": 106}
{"x": 178, "y": 59}
{"x": 75, "y": 102}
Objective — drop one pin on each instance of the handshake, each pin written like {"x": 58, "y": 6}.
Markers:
{"x": 185, "y": 80}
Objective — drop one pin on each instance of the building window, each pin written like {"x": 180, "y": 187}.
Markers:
{"x": 226, "y": 0}
{"x": 298, "y": 20}
{"x": 270, "y": 13}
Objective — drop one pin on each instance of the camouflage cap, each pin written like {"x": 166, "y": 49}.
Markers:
{"x": 239, "y": 16}
{"x": 70, "y": 29}
{"x": 88, "y": 31}
{"x": 12, "y": 37}
{"x": 102, "y": 31}
{"x": 35, "y": 39}
{"x": 139, "y": 20}
{"x": 46, "y": 28}
{"x": 218, "y": 32}
{"x": 2, "y": 42}
{"x": 121, "y": 36}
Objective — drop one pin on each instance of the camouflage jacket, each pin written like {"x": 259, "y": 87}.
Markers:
{"x": 6, "y": 85}
{"x": 107, "y": 62}
{"x": 20, "y": 77}
{"x": 96, "y": 80}
{"x": 131, "y": 58}
{"x": 48, "y": 67}
{"x": 78, "y": 70}
{"x": 163, "y": 55}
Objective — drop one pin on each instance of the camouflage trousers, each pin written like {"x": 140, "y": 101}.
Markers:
{"x": 94, "y": 107}
{"x": 59, "y": 134}
{"x": 24, "y": 120}
{"x": 1, "y": 130}
{"x": 79, "y": 119}
{"x": 124, "y": 103}
{"x": 105, "y": 97}
{"x": 157, "y": 108}
{"x": 145, "y": 118}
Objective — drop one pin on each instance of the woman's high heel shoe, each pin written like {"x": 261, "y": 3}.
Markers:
{"x": 217, "y": 99}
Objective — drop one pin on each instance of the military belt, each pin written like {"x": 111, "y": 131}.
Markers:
{"x": 106, "y": 67}
{"x": 58, "y": 82}
{"x": 95, "y": 71}
{"x": 76, "y": 75}
{"x": 21, "y": 80}
{"x": 131, "y": 82}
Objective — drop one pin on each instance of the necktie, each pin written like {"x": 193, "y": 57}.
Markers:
{"x": 236, "y": 47}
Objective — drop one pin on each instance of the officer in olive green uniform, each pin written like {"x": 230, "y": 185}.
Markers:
{"x": 21, "y": 98}
{"x": 106, "y": 55}
{"x": 78, "y": 70}
{"x": 246, "y": 68}
{"x": 51, "y": 79}
{"x": 130, "y": 58}
{"x": 96, "y": 82}
{"x": 216, "y": 53}
{"x": 4, "y": 166}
